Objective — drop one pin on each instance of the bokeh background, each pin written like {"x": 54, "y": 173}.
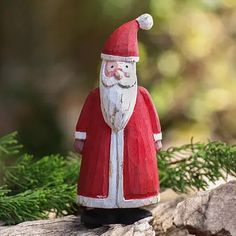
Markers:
{"x": 50, "y": 60}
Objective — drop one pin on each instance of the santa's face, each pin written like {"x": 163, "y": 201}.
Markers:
{"x": 122, "y": 74}
{"x": 118, "y": 91}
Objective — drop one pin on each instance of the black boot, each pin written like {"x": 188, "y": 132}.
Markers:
{"x": 128, "y": 216}
{"x": 93, "y": 218}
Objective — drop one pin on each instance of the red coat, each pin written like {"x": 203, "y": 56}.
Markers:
{"x": 133, "y": 171}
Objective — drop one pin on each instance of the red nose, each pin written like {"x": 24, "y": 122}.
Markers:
{"x": 117, "y": 74}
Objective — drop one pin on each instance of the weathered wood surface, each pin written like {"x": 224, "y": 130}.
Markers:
{"x": 204, "y": 214}
{"x": 209, "y": 213}
{"x": 70, "y": 225}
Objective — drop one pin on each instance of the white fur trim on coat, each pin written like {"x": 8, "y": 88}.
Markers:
{"x": 118, "y": 58}
{"x": 80, "y": 135}
{"x": 157, "y": 136}
{"x": 105, "y": 203}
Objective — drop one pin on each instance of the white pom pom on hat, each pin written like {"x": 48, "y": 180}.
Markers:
{"x": 145, "y": 21}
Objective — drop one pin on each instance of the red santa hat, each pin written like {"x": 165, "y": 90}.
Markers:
{"x": 122, "y": 44}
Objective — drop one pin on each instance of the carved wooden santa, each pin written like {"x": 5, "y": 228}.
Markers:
{"x": 118, "y": 132}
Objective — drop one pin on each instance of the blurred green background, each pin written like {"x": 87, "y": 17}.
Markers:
{"x": 50, "y": 60}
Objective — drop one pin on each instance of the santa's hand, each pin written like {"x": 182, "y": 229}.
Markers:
{"x": 158, "y": 145}
{"x": 79, "y": 145}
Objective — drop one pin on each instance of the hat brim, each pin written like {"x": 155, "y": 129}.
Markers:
{"x": 118, "y": 58}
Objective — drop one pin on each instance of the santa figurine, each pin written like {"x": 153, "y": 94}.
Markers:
{"x": 118, "y": 135}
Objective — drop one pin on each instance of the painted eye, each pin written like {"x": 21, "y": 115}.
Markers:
{"x": 112, "y": 66}
{"x": 126, "y": 66}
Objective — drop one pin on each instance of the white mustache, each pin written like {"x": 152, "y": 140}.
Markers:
{"x": 123, "y": 83}
{"x": 120, "y": 74}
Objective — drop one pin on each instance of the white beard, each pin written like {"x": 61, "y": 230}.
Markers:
{"x": 117, "y": 103}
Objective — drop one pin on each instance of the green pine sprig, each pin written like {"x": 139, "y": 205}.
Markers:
{"x": 49, "y": 171}
{"x": 195, "y": 165}
{"x": 32, "y": 188}
{"x": 36, "y": 204}
{"x": 9, "y": 145}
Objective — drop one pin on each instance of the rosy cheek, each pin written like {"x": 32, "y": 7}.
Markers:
{"x": 109, "y": 73}
{"x": 127, "y": 74}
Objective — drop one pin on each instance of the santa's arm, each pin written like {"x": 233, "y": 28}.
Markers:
{"x": 83, "y": 124}
{"x": 156, "y": 127}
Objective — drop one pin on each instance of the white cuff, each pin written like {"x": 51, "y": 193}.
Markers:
{"x": 80, "y": 135}
{"x": 157, "y": 136}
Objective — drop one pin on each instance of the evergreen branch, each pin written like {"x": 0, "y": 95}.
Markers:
{"x": 36, "y": 204}
{"x": 195, "y": 165}
{"x": 48, "y": 171}
{"x": 9, "y": 145}
{"x": 33, "y": 188}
